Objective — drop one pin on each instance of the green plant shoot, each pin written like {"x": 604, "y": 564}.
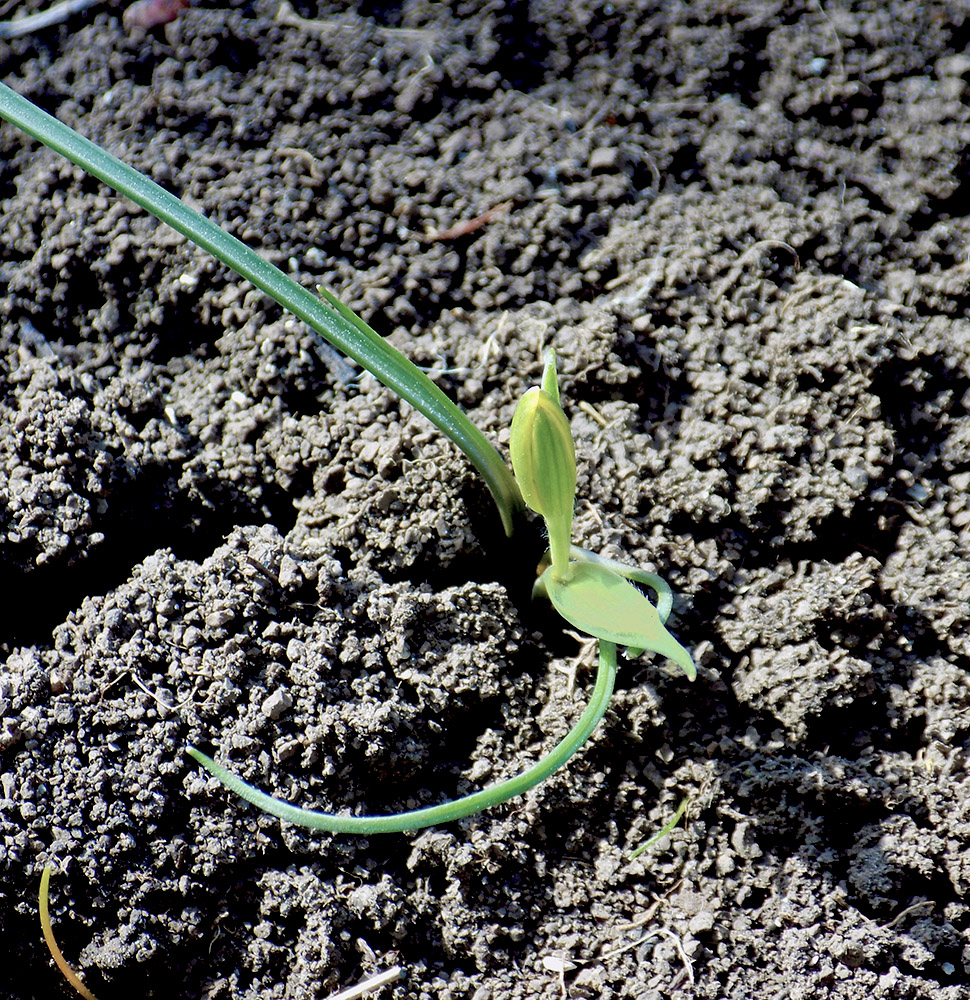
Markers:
{"x": 592, "y": 593}
{"x": 445, "y": 812}
{"x": 544, "y": 464}
{"x": 663, "y": 831}
{"x": 333, "y": 321}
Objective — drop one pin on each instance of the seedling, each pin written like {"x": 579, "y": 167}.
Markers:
{"x": 590, "y": 592}
{"x": 663, "y": 831}
{"x": 594, "y": 594}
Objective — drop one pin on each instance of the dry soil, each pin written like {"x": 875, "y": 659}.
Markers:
{"x": 744, "y": 226}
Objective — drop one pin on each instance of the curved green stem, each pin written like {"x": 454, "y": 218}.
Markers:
{"x": 335, "y": 323}
{"x": 446, "y": 812}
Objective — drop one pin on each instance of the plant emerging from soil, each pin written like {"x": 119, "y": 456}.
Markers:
{"x": 592, "y": 593}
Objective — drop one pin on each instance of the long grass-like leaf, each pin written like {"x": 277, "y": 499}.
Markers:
{"x": 335, "y": 323}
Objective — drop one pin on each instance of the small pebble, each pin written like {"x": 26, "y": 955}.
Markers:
{"x": 290, "y": 574}
{"x": 604, "y": 158}
{"x": 276, "y": 704}
{"x": 701, "y": 922}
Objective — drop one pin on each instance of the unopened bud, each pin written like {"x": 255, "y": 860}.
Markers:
{"x": 544, "y": 463}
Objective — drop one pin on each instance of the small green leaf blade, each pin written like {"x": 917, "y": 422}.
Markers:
{"x": 599, "y": 601}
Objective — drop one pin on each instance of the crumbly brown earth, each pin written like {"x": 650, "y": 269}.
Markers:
{"x": 744, "y": 226}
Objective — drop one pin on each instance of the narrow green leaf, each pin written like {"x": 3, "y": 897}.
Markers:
{"x": 599, "y": 601}
{"x": 663, "y": 831}
{"x": 337, "y": 325}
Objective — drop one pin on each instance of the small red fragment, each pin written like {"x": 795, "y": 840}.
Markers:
{"x": 147, "y": 14}
{"x": 469, "y": 225}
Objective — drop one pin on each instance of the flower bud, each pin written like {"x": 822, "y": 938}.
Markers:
{"x": 544, "y": 463}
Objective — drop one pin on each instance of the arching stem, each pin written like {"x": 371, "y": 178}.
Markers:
{"x": 446, "y": 812}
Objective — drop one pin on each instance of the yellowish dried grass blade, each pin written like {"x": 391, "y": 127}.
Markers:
{"x": 45, "y": 922}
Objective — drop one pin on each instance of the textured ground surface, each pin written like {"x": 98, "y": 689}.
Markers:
{"x": 745, "y": 228}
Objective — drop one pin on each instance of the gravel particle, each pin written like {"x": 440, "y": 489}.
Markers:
{"x": 276, "y": 704}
